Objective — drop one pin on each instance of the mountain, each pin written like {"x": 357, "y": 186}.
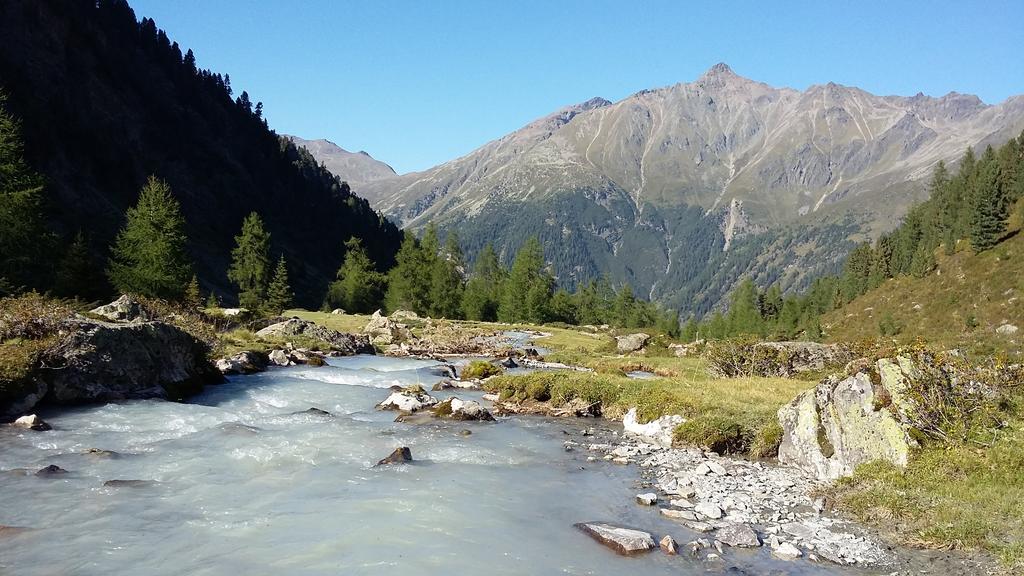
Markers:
{"x": 105, "y": 101}
{"x": 681, "y": 190}
{"x": 352, "y": 167}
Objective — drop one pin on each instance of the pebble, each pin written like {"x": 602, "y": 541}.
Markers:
{"x": 668, "y": 545}
{"x": 648, "y": 499}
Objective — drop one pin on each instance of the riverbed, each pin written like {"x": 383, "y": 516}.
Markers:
{"x": 243, "y": 479}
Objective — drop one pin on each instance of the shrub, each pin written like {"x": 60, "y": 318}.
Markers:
{"x": 479, "y": 369}
{"x": 889, "y": 326}
{"x": 767, "y": 440}
{"x": 715, "y": 432}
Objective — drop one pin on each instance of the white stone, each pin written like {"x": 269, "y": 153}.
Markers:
{"x": 708, "y": 509}
{"x": 658, "y": 431}
{"x": 647, "y": 499}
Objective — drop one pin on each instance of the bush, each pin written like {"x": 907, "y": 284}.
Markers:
{"x": 889, "y": 326}
{"x": 767, "y": 440}
{"x": 478, "y": 370}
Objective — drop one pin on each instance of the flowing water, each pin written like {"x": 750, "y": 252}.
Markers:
{"x": 242, "y": 480}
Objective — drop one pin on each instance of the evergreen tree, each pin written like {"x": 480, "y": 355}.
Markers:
{"x": 193, "y": 299}
{"x": 923, "y": 262}
{"x": 744, "y": 316}
{"x": 563, "y": 307}
{"x": 250, "y": 263}
{"x": 78, "y": 274}
{"x": 279, "y": 293}
{"x": 529, "y": 287}
{"x": 483, "y": 291}
{"x": 149, "y": 256}
{"x": 988, "y": 222}
{"x": 212, "y": 301}
{"x": 409, "y": 279}
{"x": 446, "y": 286}
{"x": 24, "y": 239}
{"x": 359, "y": 287}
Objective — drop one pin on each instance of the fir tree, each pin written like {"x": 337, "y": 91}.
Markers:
{"x": 409, "y": 279}
{"x": 529, "y": 287}
{"x": 744, "y": 316}
{"x": 250, "y": 263}
{"x": 988, "y": 221}
{"x": 359, "y": 287}
{"x": 446, "y": 280}
{"x": 193, "y": 298}
{"x": 78, "y": 274}
{"x": 149, "y": 256}
{"x": 483, "y": 291}
{"x": 279, "y": 293}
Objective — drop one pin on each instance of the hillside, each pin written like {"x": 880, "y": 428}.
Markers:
{"x": 962, "y": 303}
{"x": 654, "y": 188}
{"x": 106, "y": 101}
{"x": 352, "y": 167}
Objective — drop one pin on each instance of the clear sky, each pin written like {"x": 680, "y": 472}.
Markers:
{"x": 416, "y": 83}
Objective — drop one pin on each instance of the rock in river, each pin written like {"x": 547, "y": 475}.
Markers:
{"x": 408, "y": 399}
{"x": 456, "y": 409}
{"x": 32, "y": 422}
{"x": 738, "y": 535}
{"x": 622, "y": 540}
{"x": 399, "y": 456}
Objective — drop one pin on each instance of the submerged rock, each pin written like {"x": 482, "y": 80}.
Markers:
{"x": 622, "y": 540}
{"x": 659, "y": 431}
{"x": 128, "y": 483}
{"x": 51, "y": 470}
{"x": 845, "y": 422}
{"x": 32, "y": 422}
{"x": 399, "y": 456}
{"x": 456, "y": 409}
{"x": 631, "y": 342}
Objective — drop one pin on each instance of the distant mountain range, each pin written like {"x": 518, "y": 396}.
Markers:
{"x": 683, "y": 189}
{"x": 352, "y": 167}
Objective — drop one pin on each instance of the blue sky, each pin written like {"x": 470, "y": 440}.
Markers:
{"x": 416, "y": 83}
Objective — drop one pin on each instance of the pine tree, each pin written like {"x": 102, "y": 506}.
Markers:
{"x": 623, "y": 308}
{"x": 193, "y": 298}
{"x": 446, "y": 286}
{"x": 279, "y": 293}
{"x": 483, "y": 291}
{"x": 988, "y": 222}
{"x": 149, "y": 257}
{"x": 744, "y": 316}
{"x": 923, "y": 262}
{"x": 78, "y": 274}
{"x": 359, "y": 287}
{"x": 529, "y": 287}
{"x": 250, "y": 263}
{"x": 409, "y": 279}
{"x": 24, "y": 240}
{"x": 563, "y": 307}
{"x": 212, "y": 301}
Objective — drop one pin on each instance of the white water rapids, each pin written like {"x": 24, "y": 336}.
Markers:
{"x": 241, "y": 481}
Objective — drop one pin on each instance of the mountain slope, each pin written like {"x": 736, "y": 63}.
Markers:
{"x": 352, "y": 167}
{"x": 105, "y": 101}
{"x": 650, "y": 189}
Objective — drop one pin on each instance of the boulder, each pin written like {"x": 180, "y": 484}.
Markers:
{"x": 32, "y": 422}
{"x": 845, "y": 422}
{"x": 51, "y": 470}
{"x": 1007, "y": 330}
{"x": 124, "y": 309}
{"x": 99, "y": 362}
{"x": 408, "y": 399}
{"x": 657, "y": 431}
{"x": 232, "y": 312}
{"x": 709, "y": 510}
{"x": 631, "y": 342}
{"x": 456, "y": 409}
{"x": 338, "y": 311}
{"x": 399, "y": 315}
{"x": 341, "y": 343}
{"x": 384, "y": 331}
{"x": 622, "y": 540}
{"x": 279, "y": 358}
{"x": 245, "y": 362}
{"x": 786, "y": 551}
{"x": 668, "y": 545}
{"x": 399, "y": 456}
{"x": 647, "y": 499}
{"x": 799, "y": 357}
{"x": 739, "y": 536}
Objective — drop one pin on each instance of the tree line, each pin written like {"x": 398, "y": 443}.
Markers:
{"x": 969, "y": 208}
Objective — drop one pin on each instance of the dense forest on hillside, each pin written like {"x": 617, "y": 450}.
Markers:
{"x": 966, "y": 210}
{"x": 105, "y": 101}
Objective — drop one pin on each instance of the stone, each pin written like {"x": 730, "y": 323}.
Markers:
{"x": 709, "y": 510}
{"x": 716, "y": 468}
{"x": 679, "y": 514}
{"x": 842, "y": 423}
{"x": 681, "y": 503}
{"x": 622, "y": 540}
{"x": 338, "y": 311}
{"x": 658, "y": 431}
{"x": 384, "y": 331}
{"x": 124, "y": 309}
{"x": 456, "y": 409}
{"x": 631, "y": 342}
{"x": 509, "y": 362}
{"x": 668, "y": 545}
{"x": 32, "y": 422}
{"x": 51, "y": 470}
{"x": 399, "y": 456}
{"x": 647, "y": 499}
{"x": 316, "y": 412}
{"x": 245, "y": 362}
{"x": 786, "y": 551}
{"x": 1007, "y": 330}
{"x": 408, "y": 399}
{"x": 339, "y": 343}
{"x": 739, "y": 536}
{"x": 232, "y": 312}
{"x": 279, "y": 358}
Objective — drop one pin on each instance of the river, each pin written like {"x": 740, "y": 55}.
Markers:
{"x": 242, "y": 480}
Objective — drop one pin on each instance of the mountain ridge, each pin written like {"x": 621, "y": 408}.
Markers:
{"x": 352, "y": 167}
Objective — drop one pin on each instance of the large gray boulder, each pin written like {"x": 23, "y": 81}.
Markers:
{"x": 847, "y": 421}
{"x": 631, "y": 342}
{"x": 339, "y": 342}
{"x": 622, "y": 540}
{"x": 124, "y": 309}
{"x": 95, "y": 361}
{"x": 385, "y": 331}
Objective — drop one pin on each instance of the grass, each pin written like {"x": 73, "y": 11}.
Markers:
{"x": 479, "y": 369}
{"x": 960, "y": 304}
{"x": 339, "y": 322}
{"x": 955, "y": 497}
